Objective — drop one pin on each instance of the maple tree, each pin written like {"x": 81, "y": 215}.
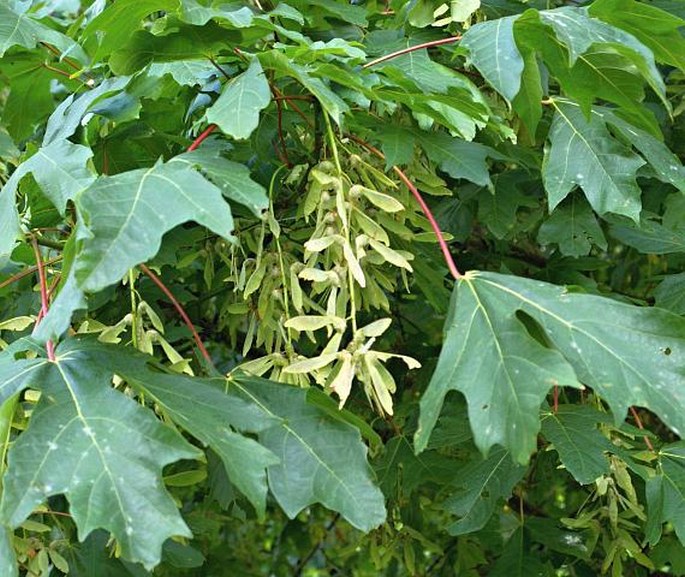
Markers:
{"x": 229, "y": 233}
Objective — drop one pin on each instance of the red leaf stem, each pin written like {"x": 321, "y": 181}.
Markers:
{"x": 422, "y": 203}
{"x": 181, "y": 311}
{"x": 640, "y": 426}
{"x": 44, "y": 304}
{"x": 414, "y": 48}
{"x": 203, "y": 136}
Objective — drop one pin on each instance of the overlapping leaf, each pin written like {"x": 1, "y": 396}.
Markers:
{"x": 459, "y": 158}
{"x": 493, "y": 50}
{"x": 61, "y": 170}
{"x": 650, "y": 237}
{"x": 112, "y": 27}
{"x": 629, "y": 355}
{"x": 480, "y": 484}
{"x": 670, "y": 294}
{"x": 203, "y": 409}
{"x": 66, "y": 118}
{"x": 104, "y": 451}
{"x": 20, "y": 29}
{"x": 321, "y": 461}
{"x": 231, "y": 177}
{"x": 501, "y": 369}
{"x": 655, "y": 28}
{"x": 573, "y": 227}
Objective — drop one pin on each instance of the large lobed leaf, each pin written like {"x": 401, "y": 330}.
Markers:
{"x": 98, "y": 447}
{"x": 629, "y": 355}
{"x": 105, "y": 452}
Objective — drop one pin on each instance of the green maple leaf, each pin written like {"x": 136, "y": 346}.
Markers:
{"x": 9, "y": 224}
{"x": 592, "y": 60}
{"x": 67, "y": 117}
{"x": 126, "y": 216}
{"x": 231, "y": 177}
{"x": 650, "y": 237}
{"x": 330, "y": 101}
{"x": 195, "y": 13}
{"x": 20, "y": 29}
{"x": 582, "y": 152}
{"x": 8, "y": 563}
{"x": 397, "y": 144}
{"x": 666, "y": 165}
{"x": 459, "y": 158}
{"x": 60, "y": 169}
{"x": 670, "y": 294}
{"x": 237, "y": 110}
{"x": 629, "y": 355}
{"x": 185, "y": 42}
{"x": 321, "y": 460}
{"x": 114, "y": 25}
{"x": 101, "y": 449}
{"x": 201, "y": 407}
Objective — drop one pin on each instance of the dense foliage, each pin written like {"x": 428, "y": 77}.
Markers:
{"x": 229, "y": 232}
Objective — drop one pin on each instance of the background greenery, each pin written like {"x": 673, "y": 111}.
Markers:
{"x": 228, "y": 342}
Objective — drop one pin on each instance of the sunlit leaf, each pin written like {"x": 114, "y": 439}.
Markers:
{"x": 127, "y": 214}
{"x": 582, "y": 153}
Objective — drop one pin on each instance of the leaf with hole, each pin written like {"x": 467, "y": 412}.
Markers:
{"x": 505, "y": 373}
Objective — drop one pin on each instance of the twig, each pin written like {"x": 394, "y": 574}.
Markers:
{"x": 404, "y": 51}
{"x": 292, "y": 105}
{"x": 221, "y": 70}
{"x": 288, "y": 97}
{"x": 303, "y": 562}
{"x": 281, "y": 138}
{"x": 68, "y": 61}
{"x": 454, "y": 271}
{"x": 50, "y": 347}
{"x": 56, "y": 70}
{"x": 181, "y": 311}
{"x": 54, "y": 244}
{"x": 27, "y": 271}
{"x": 640, "y": 426}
